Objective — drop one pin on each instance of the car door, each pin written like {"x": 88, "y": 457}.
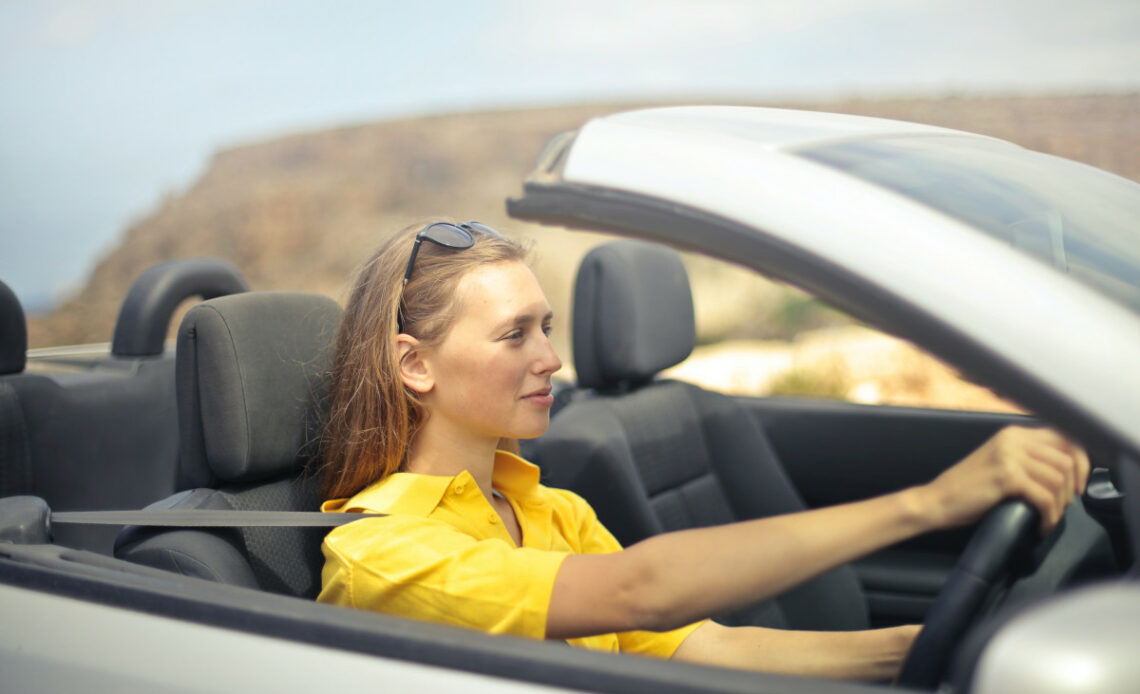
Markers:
{"x": 837, "y": 452}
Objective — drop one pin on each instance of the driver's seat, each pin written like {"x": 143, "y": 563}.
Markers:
{"x": 654, "y": 455}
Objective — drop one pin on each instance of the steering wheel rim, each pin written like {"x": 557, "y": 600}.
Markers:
{"x": 986, "y": 562}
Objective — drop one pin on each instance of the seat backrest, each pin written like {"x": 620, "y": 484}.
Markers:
{"x": 98, "y": 431}
{"x": 654, "y": 455}
{"x": 13, "y": 332}
{"x": 15, "y": 462}
{"x": 252, "y": 377}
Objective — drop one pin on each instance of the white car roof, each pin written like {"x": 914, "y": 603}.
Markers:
{"x": 772, "y": 128}
{"x": 742, "y": 164}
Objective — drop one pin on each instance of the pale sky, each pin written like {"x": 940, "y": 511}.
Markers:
{"x": 108, "y": 105}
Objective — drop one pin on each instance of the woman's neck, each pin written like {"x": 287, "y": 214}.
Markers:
{"x": 443, "y": 453}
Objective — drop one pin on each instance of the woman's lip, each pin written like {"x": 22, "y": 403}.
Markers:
{"x": 542, "y": 398}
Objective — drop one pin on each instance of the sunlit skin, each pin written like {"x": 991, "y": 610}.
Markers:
{"x": 490, "y": 378}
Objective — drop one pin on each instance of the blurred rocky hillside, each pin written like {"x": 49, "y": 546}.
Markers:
{"x": 300, "y": 212}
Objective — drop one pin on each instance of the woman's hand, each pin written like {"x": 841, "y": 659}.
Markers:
{"x": 1038, "y": 465}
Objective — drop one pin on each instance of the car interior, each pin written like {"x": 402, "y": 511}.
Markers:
{"x": 92, "y": 430}
{"x": 230, "y": 421}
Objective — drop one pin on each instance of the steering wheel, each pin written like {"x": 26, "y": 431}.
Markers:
{"x": 986, "y": 563}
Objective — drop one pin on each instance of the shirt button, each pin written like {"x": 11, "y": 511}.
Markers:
{"x": 492, "y": 518}
{"x": 458, "y": 489}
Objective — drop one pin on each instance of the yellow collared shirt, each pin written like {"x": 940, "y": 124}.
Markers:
{"x": 443, "y": 555}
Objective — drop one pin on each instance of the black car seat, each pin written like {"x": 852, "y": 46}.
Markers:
{"x": 252, "y": 375}
{"x": 15, "y": 462}
{"x": 100, "y": 431}
{"x": 654, "y": 455}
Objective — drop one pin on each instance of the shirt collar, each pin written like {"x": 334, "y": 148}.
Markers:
{"x": 515, "y": 476}
{"x": 417, "y": 494}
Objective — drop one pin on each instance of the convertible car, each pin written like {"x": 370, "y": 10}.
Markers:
{"x": 157, "y": 529}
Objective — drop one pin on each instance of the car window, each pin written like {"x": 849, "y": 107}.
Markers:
{"x": 758, "y": 337}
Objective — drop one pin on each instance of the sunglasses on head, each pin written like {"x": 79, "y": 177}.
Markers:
{"x": 454, "y": 236}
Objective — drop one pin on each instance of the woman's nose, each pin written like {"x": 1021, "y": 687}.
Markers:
{"x": 548, "y": 361}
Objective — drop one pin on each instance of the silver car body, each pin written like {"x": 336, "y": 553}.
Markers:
{"x": 743, "y": 165}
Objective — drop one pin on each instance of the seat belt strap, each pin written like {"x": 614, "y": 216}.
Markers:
{"x": 206, "y": 518}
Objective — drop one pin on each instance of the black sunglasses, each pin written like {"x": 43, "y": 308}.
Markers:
{"x": 454, "y": 236}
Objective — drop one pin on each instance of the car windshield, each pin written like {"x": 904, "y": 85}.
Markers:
{"x": 1078, "y": 219}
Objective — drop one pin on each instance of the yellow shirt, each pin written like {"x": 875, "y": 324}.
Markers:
{"x": 443, "y": 554}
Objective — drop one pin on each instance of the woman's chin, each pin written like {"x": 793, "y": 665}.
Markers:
{"x": 531, "y": 430}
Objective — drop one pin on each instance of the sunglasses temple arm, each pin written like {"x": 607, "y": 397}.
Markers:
{"x": 412, "y": 261}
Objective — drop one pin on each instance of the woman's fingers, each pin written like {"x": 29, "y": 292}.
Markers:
{"x": 1056, "y": 472}
{"x": 1076, "y": 458}
{"x": 1046, "y": 491}
{"x": 1045, "y": 501}
{"x": 1081, "y": 466}
{"x": 1036, "y": 464}
{"x": 1066, "y": 457}
{"x": 1052, "y": 469}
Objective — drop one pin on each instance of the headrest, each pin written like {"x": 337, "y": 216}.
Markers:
{"x": 252, "y": 373}
{"x": 633, "y": 314}
{"x": 13, "y": 333}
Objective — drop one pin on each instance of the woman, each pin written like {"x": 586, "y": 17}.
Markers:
{"x": 443, "y": 361}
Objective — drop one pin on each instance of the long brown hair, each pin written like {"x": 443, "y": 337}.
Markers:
{"x": 372, "y": 415}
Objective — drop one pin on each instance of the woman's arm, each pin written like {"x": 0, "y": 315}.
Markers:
{"x": 674, "y": 579}
{"x": 875, "y": 655}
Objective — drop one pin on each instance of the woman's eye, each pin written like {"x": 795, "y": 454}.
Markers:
{"x": 546, "y": 330}
{"x": 514, "y": 336}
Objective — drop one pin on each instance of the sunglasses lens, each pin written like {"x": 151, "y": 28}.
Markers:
{"x": 482, "y": 229}
{"x": 448, "y": 235}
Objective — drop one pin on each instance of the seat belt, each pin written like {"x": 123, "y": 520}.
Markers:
{"x": 209, "y": 518}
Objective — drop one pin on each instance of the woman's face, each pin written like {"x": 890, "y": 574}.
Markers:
{"x": 491, "y": 373}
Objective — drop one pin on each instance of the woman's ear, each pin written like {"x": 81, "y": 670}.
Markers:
{"x": 415, "y": 371}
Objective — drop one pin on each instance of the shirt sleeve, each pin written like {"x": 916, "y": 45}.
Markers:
{"x": 426, "y": 569}
{"x": 661, "y": 644}
{"x": 591, "y": 536}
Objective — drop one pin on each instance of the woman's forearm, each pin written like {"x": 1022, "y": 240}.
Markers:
{"x": 677, "y": 578}
{"x": 691, "y": 574}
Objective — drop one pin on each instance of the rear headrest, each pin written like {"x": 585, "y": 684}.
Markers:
{"x": 252, "y": 374}
{"x": 13, "y": 333}
{"x": 633, "y": 314}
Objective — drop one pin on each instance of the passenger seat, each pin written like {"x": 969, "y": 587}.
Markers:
{"x": 252, "y": 377}
{"x": 654, "y": 455}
